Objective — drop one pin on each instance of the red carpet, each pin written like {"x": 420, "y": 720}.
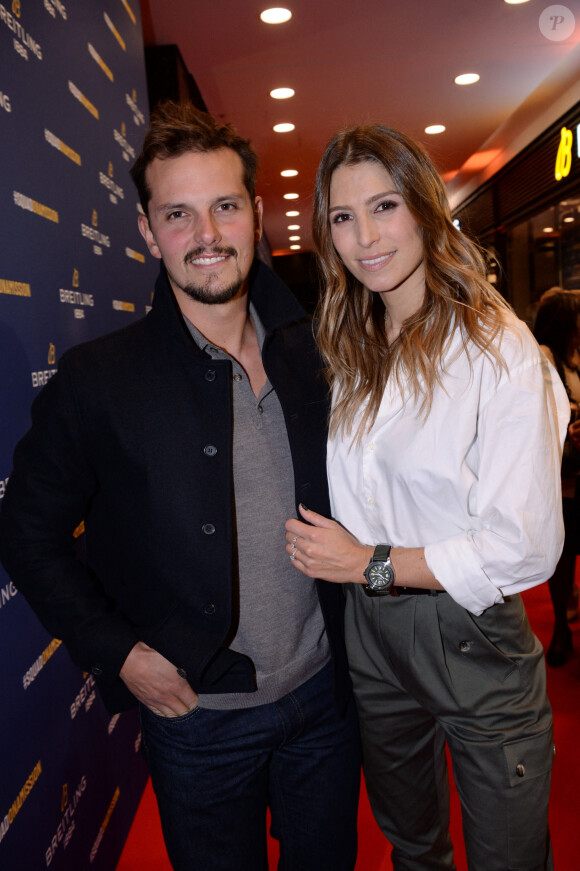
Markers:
{"x": 144, "y": 850}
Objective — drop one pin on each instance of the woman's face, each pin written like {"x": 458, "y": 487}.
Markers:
{"x": 375, "y": 234}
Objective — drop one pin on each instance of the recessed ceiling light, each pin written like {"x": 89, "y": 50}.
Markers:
{"x": 466, "y": 79}
{"x": 435, "y": 128}
{"x": 294, "y": 247}
{"x": 294, "y": 238}
{"x": 289, "y": 173}
{"x": 546, "y": 229}
{"x": 282, "y": 93}
{"x": 284, "y": 128}
{"x": 297, "y": 226}
{"x": 569, "y": 219}
{"x": 290, "y": 196}
{"x": 516, "y": 2}
{"x": 292, "y": 214}
{"x": 275, "y": 16}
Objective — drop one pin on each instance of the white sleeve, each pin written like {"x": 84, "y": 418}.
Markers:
{"x": 517, "y": 533}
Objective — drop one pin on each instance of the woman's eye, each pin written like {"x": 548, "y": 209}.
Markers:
{"x": 386, "y": 206}
{"x": 340, "y": 218}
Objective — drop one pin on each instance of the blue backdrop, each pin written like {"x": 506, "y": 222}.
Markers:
{"x": 73, "y": 109}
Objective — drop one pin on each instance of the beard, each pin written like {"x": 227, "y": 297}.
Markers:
{"x": 210, "y": 291}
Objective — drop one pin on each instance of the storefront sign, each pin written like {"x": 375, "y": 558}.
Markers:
{"x": 565, "y": 149}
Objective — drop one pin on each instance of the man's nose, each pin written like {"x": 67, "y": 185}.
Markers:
{"x": 206, "y": 229}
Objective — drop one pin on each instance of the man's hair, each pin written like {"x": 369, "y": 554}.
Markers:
{"x": 179, "y": 128}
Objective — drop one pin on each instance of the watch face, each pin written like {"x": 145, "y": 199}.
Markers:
{"x": 380, "y": 576}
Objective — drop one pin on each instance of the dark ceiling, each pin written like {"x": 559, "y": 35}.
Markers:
{"x": 376, "y": 60}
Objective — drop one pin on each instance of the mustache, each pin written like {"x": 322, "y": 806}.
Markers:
{"x": 209, "y": 252}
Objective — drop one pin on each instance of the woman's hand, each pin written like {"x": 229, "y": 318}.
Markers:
{"x": 322, "y": 548}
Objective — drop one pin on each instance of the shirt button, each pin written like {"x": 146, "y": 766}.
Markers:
{"x": 208, "y": 528}
{"x": 260, "y": 410}
{"x": 209, "y": 608}
{"x": 210, "y": 450}
{"x": 237, "y": 377}
{"x": 371, "y": 500}
{"x": 464, "y": 646}
{"x": 372, "y": 446}
{"x": 210, "y": 375}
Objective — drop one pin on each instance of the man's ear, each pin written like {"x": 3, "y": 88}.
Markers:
{"x": 145, "y": 230}
{"x": 258, "y": 213}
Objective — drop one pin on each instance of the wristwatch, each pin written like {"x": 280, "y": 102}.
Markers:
{"x": 380, "y": 573}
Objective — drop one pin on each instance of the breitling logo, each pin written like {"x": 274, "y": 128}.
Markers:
{"x": 60, "y": 146}
{"x": 32, "y": 206}
{"x": 130, "y": 12}
{"x": 97, "y": 57}
{"x": 84, "y": 101}
{"x": 138, "y": 116}
{"x": 114, "y": 31}
{"x": 128, "y": 150}
{"x": 23, "y": 41}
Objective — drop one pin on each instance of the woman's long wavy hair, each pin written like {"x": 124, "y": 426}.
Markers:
{"x": 352, "y": 334}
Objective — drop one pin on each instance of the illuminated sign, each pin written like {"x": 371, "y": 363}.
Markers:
{"x": 564, "y": 156}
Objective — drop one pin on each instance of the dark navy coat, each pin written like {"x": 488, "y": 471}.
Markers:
{"x": 133, "y": 435}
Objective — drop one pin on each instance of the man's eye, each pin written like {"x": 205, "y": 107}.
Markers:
{"x": 227, "y": 207}
{"x": 172, "y": 216}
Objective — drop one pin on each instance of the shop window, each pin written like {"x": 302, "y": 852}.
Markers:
{"x": 542, "y": 252}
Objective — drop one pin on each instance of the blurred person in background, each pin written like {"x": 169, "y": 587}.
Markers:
{"x": 557, "y": 329}
{"x": 444, "y": 457}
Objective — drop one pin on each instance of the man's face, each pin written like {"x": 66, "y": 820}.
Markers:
{"x": 203, "y": 223}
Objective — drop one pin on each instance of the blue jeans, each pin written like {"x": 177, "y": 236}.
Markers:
{"x": 216, "y": 772}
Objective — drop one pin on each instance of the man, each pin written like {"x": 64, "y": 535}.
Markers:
{"x": 185, "y": 441}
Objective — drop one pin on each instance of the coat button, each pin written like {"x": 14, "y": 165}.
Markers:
{"x": 210, "y": 375}
{"x": 464, "y": 646}
{"x": 209, "y": 608}
{"x": 210, "y": 450}
{"x": 182, "y": 673}
{"x": 97, "y": 670}
{"x": 208, "y": 528}
{"x": 520, "y": 770}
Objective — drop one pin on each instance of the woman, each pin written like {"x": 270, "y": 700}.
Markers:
{"x": 557, "y": 329}
{"x": 443, "y": 462}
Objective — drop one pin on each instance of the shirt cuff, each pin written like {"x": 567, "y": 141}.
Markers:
{"x": 456, "y": 567}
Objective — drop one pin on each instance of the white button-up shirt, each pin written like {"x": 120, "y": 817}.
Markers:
{"x": 476, "y": 483}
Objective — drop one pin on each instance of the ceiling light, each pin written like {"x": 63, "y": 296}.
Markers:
{"x": 297, "y": 226}
{"x": 275, "y": 16}
{"x": 466, "y": 79}
{"x": 292, "y": 214}
{"x": 294, "y": 238}
{"x": 569, "y": 219}
{"x": 282, "y": 93}
{"x": 284, "y": 128}
{"x": 295, "y": 247}
{"x": 546, "y": 229}
{"x": 289, "y": 173}
{"x": 515, "y": 2}
{"x": 291, "y": 196}
{"x": 435, "y": 128}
